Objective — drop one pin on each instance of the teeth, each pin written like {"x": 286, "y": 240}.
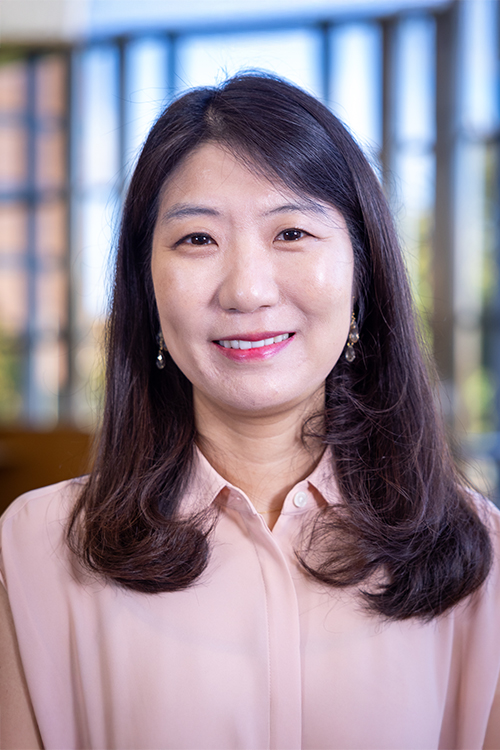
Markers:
{"x": 242, "y": 344}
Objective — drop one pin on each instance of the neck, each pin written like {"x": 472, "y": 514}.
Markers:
{"x": 263, "y": 455}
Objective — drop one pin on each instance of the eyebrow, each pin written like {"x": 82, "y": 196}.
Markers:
{"x": 311, "y": 207}
{"x": 183, "y": 210}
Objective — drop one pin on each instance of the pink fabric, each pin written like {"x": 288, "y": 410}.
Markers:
{"x": 254, "y": 656}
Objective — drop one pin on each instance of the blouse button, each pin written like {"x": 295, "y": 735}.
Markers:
{"x": 300, "y": 499}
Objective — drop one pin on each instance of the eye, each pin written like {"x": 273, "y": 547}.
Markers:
{"x": 200, "y": 238}
{"x": 291, "y": 235}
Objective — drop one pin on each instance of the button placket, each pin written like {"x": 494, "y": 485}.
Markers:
{"x": 285, "y": 678}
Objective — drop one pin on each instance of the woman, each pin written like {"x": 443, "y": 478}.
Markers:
{"x": 274, "y": 549}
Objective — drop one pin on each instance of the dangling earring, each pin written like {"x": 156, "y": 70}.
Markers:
{"x": 160, "y": 357}
{"x": 352, "y": 339}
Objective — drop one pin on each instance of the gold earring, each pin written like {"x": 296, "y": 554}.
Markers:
{"x": 160, "y": 357}
{"x": 352, "y": 339}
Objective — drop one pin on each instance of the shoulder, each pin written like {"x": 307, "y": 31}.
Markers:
{"x": 52, "y": 498}
{"x": 489, "y": 514}
{"x": 32, "y": 529}
{"x": 484, "y": 604}
{"x": 492, "y": 514}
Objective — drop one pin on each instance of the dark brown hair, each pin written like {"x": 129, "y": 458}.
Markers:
{"x": 405, "y": 513}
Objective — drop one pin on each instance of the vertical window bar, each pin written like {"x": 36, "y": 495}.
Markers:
{"x": 68, "y": 334}
{"x": 31, "y": 335}
{"x": 122, "y": 113}
{"x": 172, "y": 51}
{"x": 444, "y": 217}
{"x": 495, "y": 334}
{"x": 74, "y": 227}
{"x": 389, "y": 129}
{"x": 325, "y": 60}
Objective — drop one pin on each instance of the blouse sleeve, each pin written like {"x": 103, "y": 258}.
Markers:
{"x": 18, "y": 727}
{"x": 492, "y": 739}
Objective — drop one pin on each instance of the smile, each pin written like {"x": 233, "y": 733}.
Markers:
{"x": 245, "y": 344}
{"x": 256, "y": 347}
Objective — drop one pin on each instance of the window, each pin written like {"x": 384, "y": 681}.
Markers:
{"x": 34, "y": 225}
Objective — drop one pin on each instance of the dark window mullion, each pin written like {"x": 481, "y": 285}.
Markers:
{"x": 444, "y": 209}
{"x": 325, "y": 60}
{"x": 123, "y": 94}
{"x": 172, "y": 64}
{"x": 32, "y": 333}
{"x": 389, "y": 104}
{"x": 67, "y": 333}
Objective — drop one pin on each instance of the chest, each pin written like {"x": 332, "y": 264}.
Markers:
{"x": 254, "y": 656}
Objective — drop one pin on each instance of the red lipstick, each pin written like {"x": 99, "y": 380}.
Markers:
{"x": 254, "y": 354}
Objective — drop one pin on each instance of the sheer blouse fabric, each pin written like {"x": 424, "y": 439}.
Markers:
{"x": 255, "y": 655}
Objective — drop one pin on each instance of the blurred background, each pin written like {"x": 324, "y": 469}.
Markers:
{"x": 81, "y": 82}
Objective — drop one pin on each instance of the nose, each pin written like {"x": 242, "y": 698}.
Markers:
{"x": 249, "y": 281}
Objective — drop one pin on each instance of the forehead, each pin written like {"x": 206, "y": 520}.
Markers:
{"x": 211, "y": 165}
{"x": 212, "y": 175}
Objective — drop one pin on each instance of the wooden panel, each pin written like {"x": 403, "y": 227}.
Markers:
{"x": 34, "y": 459}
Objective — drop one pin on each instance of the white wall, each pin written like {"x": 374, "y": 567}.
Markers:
{"x": 43, "y": 20}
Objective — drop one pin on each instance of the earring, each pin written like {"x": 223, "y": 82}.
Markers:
{"x": 160, "y": 357}
{"x": 352, "y": 339}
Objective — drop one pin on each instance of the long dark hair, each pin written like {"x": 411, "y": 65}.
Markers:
{"x": 405, "y": 513}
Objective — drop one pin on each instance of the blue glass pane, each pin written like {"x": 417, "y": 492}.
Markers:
{"x": 413, "y": 202}
{"x": 208, "y": 60}
{"x": 98, "y": 121}
{"x": 355, "y": 94}
{"x": 416, "y": 182}
{"x": 415, "y": 81}
{"x": 98, "y": 219}
{"x": 479, "y": 65}
{"x": 146, "y": 76}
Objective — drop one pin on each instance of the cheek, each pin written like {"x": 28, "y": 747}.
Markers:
{"x": 326, "y": 289}
{"x": 178, "y": 313}
{"x": 177, "y": 297}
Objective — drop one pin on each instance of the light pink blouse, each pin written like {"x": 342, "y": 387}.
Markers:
{"x": 254, "y": 656}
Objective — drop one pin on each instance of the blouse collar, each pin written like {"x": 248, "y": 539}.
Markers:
{"x": 206, "y": 483}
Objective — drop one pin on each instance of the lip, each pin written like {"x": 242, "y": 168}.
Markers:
{"x": 254, "y": 355}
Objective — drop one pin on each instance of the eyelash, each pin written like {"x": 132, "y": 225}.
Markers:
{"x": 301, "y": 232}
{"x": 190, "y": 237}
{"x": 207, "y": 240}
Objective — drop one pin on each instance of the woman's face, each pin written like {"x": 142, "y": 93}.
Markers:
{"x": 253, "y": 285}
